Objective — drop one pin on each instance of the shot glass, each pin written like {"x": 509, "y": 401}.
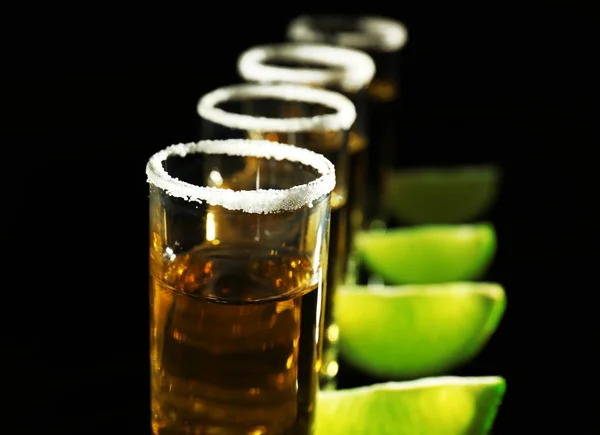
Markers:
{"x": 383, "y": 39}
{"x": 340, "y": 69}
{"x": 312, "y": 118}
{"x": 236, "y": 302}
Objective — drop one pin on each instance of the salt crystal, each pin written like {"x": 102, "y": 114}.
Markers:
{"x": 371, "y": 32}
{"x": 342, "y": 119}
{"x": 250, "y": 201}
{"x": 353, "y": 71}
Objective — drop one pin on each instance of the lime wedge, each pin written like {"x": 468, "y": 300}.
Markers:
{"x": 441, "y": 195}
{"x": 411, "y": 331}
{"x": 428, "y": 253}
{"x": 442, "y": 406}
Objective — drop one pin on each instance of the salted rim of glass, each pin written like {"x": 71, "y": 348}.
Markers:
{"x": 250, "y": 201}
{"x": 355, "y": 68}
{"x": 342, "y": 119}
{"x": 372, "y": 32}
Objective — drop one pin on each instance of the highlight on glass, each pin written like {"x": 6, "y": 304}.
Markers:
{"x": 239, "y": 233}
{"x": 384, "y": 39}
{"x": 312, "y": 118}
{"x": 341, "y": 69}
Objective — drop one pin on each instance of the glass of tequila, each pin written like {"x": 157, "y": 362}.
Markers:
{"x": 239, "y": 233}
{"x": 340, "y": 69}
{"x": 312, "y": 118}
{"x": 383, "y": 39}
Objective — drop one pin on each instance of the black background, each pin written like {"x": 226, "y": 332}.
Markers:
{"x": 88, "y": 94}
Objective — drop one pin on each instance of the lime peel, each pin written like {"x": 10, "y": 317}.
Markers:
{"x": 441, "y": 195}
{"x": 404, "y": 332}
{"x": 445, "y": 405}
{"x": 428, "y": 254}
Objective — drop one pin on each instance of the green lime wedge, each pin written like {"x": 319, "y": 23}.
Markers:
{"x": 428, "y": 253}
{"x": 404, "y": 332}
{"x": 445, "y": 405}
{"x": 441, "y": 195}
